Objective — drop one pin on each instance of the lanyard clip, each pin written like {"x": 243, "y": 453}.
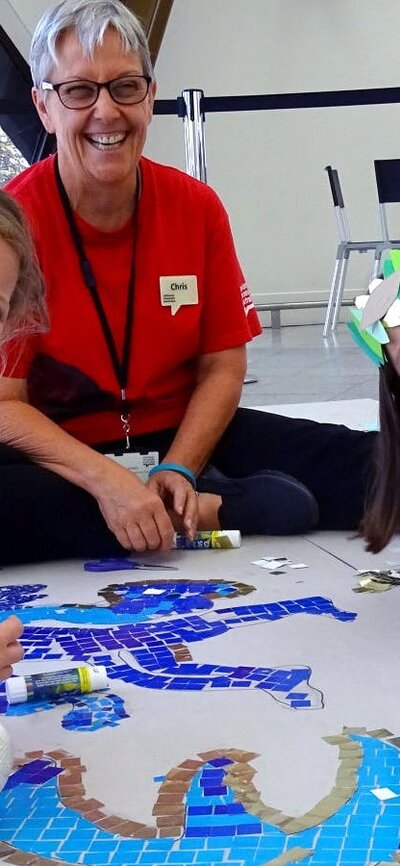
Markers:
{"x": 125, "y": 421}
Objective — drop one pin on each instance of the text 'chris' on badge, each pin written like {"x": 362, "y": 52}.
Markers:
{"x": 178, "y": 291}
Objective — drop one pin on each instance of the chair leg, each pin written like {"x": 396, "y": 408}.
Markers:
{"x": 333, "y": 290}
{"x": 340, "y": 289}
{"x": 377, "y": 264}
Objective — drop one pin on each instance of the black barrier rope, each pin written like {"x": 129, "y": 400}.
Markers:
{"x": 276, "y": 101}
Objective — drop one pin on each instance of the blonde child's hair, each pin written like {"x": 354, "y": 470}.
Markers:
{"x": 27, "y": 313}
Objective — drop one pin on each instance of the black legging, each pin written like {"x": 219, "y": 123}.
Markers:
{"x": 44, "y": 517}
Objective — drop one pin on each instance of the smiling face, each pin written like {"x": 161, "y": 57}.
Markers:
{"x": 9, "y": 270}
{"x": 102, "y": 144}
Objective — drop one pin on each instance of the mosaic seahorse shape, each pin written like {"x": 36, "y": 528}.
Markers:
{"x": 218, "y": 829}
{"x": 131, "y": 640}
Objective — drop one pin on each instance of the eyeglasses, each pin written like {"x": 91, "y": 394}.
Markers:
{"x": 80, "y": 93}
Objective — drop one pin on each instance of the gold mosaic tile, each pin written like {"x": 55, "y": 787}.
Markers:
{"x": 295, "y": 855}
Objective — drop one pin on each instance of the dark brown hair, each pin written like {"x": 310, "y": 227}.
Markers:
{"x": 382, "y": 514}
{"x": 27, "y": 313}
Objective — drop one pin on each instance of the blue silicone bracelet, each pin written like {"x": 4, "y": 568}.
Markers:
{"x": 175, "y": 467}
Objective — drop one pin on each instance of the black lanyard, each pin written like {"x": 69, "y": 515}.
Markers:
{"x": 120, "y": 366}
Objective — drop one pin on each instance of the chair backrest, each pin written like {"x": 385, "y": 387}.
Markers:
{"x": 387, "y": 173}
{"x": 338, "y": 202}
{"x": 334, "y": 183}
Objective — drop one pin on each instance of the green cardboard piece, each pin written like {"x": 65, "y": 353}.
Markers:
{"x": 370, "y": 347}
{"x": 380, "y": 300}
{"x": 379, "y": 333}
{"x": 388, "y": 267}
{"x": 395, "y": 257}
{"x": 367, "y": 338}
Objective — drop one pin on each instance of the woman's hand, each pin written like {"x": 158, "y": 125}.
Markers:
{"x": 11, "y": 650}
{"x": 178, "y": 495}
{"x": 134, "y": 512}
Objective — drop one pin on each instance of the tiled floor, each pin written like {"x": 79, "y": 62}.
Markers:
{"x": 296, "y": 365}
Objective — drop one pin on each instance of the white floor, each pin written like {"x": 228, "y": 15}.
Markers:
{"x": 356, "y": 414}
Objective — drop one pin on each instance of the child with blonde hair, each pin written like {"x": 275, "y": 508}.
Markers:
{"x": 22, "y": 309}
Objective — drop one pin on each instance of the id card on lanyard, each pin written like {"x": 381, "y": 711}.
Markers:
{"x": 138, "y": 462}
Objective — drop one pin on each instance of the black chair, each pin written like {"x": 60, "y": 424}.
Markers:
{"x": 387, "y": 173}
{"x": 345, "y": 247}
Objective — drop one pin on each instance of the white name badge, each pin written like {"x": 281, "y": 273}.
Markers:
{"x": 138, "y": 463}
{"x": 178, "y": 291}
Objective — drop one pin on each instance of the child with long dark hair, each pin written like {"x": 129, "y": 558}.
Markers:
{"x": 376, "y": 327}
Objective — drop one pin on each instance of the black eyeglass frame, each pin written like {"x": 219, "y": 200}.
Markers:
{"x": 47, "y": 85}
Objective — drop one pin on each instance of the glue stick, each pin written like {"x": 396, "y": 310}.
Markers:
{"x": 51, "y": 684}
{"x": 209, "y": 539}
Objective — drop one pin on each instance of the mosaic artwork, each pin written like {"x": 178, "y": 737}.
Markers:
{"x": 207, "y": 809}
{"x": 149, "y": 627}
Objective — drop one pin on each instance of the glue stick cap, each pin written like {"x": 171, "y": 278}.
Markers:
{"x": 98, "y": 677}
{"x": 16, "y": 690}
{"x": 234, "y": 536}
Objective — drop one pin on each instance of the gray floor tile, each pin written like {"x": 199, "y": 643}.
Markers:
{"x": 295, "y": 364}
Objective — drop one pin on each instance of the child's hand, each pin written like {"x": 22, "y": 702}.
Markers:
{"x": 10, "y": 649}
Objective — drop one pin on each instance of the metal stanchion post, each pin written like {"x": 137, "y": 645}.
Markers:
{"x": 193, "y": 127}
{"x": 195, "y": 147}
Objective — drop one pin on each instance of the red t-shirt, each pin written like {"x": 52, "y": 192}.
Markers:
{"x": 183, "y": 229}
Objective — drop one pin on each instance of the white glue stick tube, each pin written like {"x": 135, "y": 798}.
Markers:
{"x": 210, "y": 539}
{"x": 52, "y": 684}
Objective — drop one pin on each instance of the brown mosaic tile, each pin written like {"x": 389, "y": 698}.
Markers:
{"x": 93, "y": 815}
{"x": 108, "y": 823}
{"x": 170, "y": 820}
{"x": 168, "y": 798}
{"x": 211, "y": 756}
{"x": 73, "y": 789}
{"x": 73, "y": 803}
{"x": 175, "y": 786}
{"x": 170, "y": 832}
{"x": 72, "y": 762}
{"x": 191, "y": 765}
{"x": 128, "y": 828}
{"x": 179, "y": 774}
{"x": 168, "y": 809}
{"x": 149, "y": 833}
{"x": 93, "y": 804}
{"x": 20, "y": 858}
{"x": 58, "y": 754}
{"x": 72, "y": 776}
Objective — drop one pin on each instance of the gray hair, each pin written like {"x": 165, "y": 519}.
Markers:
{"x": 90, "y": 19}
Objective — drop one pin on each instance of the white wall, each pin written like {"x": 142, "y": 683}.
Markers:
{"x": 268, "y": 166}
